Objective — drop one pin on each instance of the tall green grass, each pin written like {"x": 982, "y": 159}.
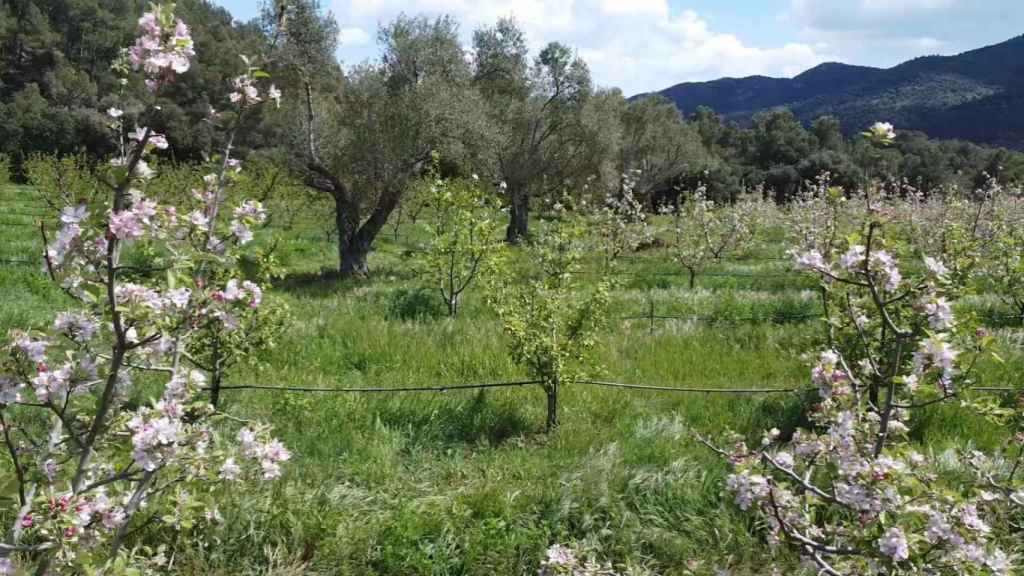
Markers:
{"x": 466, "y": 483}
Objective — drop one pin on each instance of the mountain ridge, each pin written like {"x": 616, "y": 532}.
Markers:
{"x": 976, "y": 95}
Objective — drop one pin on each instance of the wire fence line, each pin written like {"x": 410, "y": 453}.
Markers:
{"x": 652, "y": 320}
{"x": 19, "y": 224}
{"x": 18, "y": 261}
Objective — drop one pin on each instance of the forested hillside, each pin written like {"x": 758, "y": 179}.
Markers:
{"x": 972, "y": 96}
{"x": 56, "y": 80}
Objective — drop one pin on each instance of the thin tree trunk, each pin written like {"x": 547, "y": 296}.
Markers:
{"x": 873, "y": 393}
{"x": 398, "y": 221}
{"x": 216, "y": 376}
{"x": 310, "y": 121}
{"x": 552, "y": 392}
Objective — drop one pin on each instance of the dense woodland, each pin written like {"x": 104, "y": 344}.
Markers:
{"x": 533, "y": 126}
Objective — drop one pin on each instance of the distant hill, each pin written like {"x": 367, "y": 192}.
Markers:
{"x": 977, "y": 95}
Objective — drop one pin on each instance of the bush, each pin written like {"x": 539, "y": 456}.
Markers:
{"x": 415, "y": 304}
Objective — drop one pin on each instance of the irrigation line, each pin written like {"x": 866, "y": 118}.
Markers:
{"x": 600, "y": 274}
{"x": 600, "y": 383}
{"x": 740, "y": 391}
{"x": 379, "y": 390}
{"x": 737, "y": 259}
{"x": 768, "y": 318}
{"x": 507, "y": 385}
{"x": 701, "y": 275}
{"x": 694, "y": 390}
{"x": 747, "y": 275}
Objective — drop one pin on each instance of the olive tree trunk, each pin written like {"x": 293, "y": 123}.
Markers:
{"x": 519, "y": 216}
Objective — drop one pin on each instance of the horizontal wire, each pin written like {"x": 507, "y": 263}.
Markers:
{"x": 378, "y": 389}
{"x": 768, "y": 317}
{"x": 601, "y": 383}
{"x": 694, "y": 390}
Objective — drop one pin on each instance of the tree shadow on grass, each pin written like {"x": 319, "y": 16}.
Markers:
{"x": 479, "y": 419}
{"x": 329, "y": 282}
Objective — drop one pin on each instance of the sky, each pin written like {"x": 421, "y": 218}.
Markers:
{"x": 646, "y": 45}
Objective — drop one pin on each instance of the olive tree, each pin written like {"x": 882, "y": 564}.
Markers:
{"x": 369, "y": 136}
{"x": 658, "y": 146}
{"x": 304, "y": 41}
{"x": 536, "y": 115}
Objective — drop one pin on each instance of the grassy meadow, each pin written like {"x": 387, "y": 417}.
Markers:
{"x": 466, "y": 482}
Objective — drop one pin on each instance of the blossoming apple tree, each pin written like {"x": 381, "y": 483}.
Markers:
{"x": 706, "y": 232}
{"x": 101, "y": 414}
{"x": 621, "y": 220}
{"x": 852, "y": 495}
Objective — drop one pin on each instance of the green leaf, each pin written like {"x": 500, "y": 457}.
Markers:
{"x": 93, "y": 292}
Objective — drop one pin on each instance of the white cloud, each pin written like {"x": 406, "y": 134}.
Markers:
{"x": 657, "y": 8}
{"x": 840, "y": 14}
{"x": 353, "y": 37}
{"x": 886, "y": 32}
{"x": 637, "y": 45}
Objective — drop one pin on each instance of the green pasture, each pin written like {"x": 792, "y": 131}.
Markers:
{"x": 467, "y": 483}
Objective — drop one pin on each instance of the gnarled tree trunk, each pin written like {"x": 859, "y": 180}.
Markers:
{"x": 355, "y": 237}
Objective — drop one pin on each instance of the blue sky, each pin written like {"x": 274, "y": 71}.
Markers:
{"x": 642, "y": 45}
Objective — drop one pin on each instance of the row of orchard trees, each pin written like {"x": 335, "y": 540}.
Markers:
{"x": 975, "y": 238}
{"x": 852, "y": 492}
{"x": 531, "y": 124}
{"x": 530, "y": 127}
{"x": 534, "y": 127}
